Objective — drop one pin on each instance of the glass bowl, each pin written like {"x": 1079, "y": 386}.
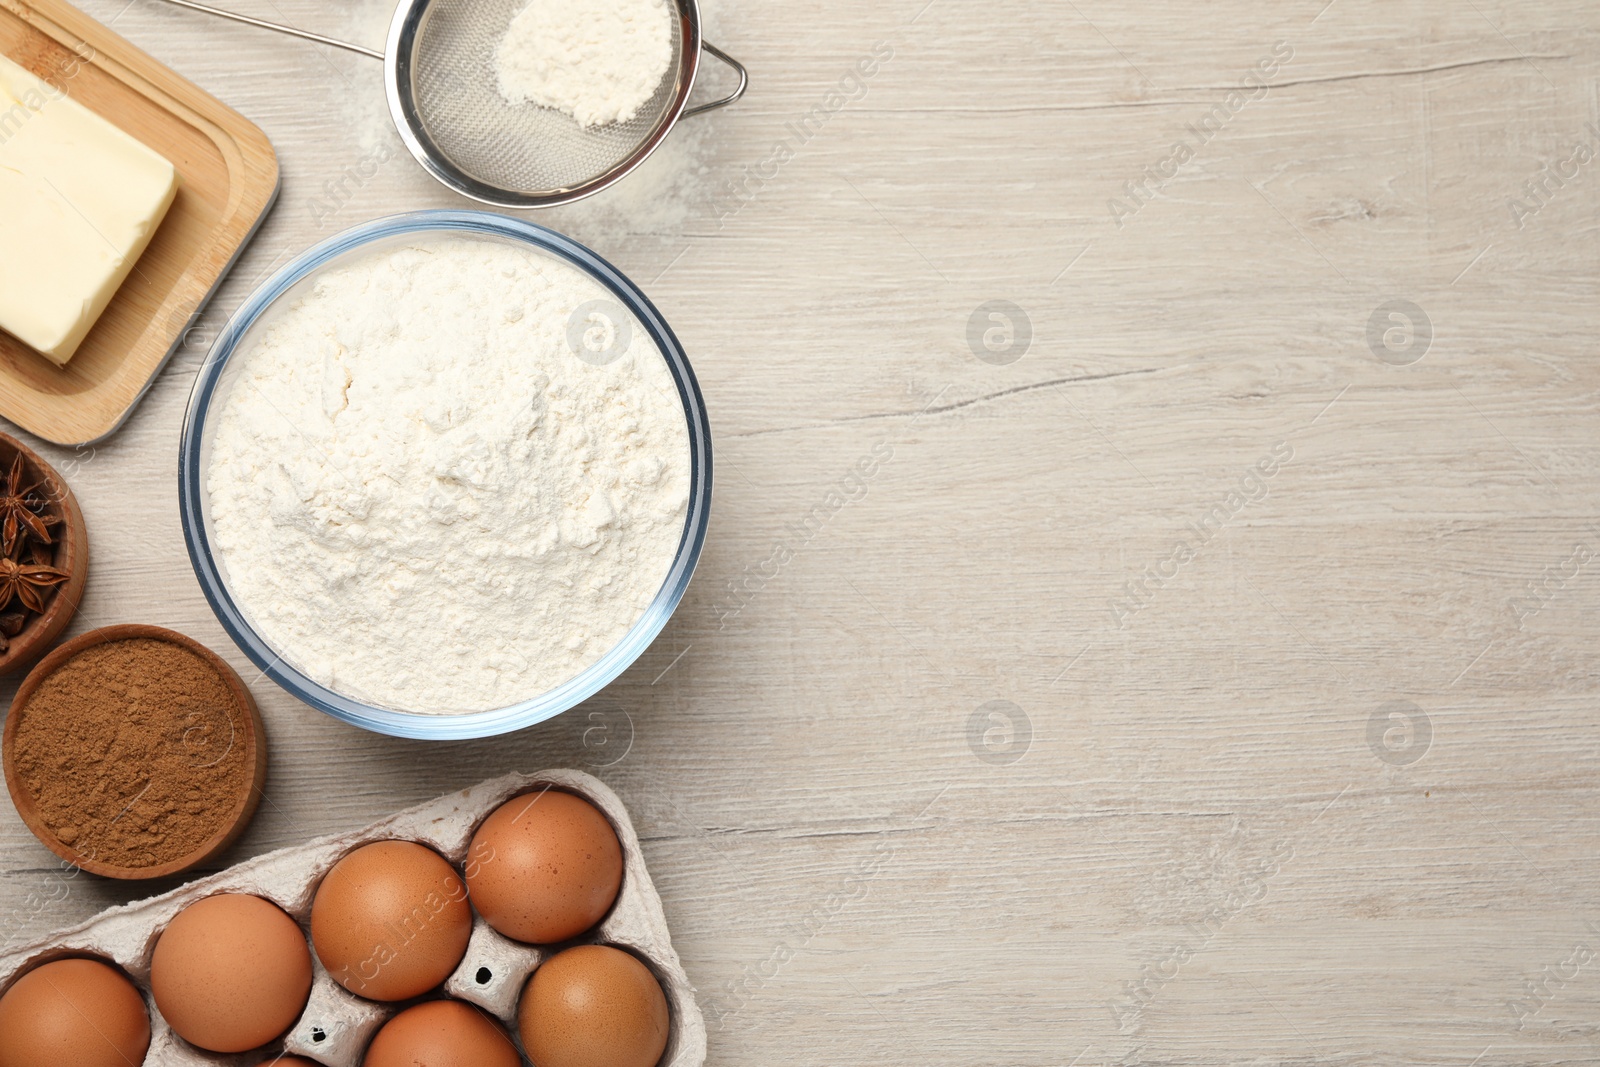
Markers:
{"x": 215, "y": 379}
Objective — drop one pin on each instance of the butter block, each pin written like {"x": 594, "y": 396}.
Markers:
{"x": 79, "y": 201}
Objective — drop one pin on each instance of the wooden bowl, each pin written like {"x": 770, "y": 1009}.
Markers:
{"x": 71, "y": 555}
{"x": 253, "y": 741}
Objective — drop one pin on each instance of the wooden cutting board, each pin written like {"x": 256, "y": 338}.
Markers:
{"x": 229, "y": 180}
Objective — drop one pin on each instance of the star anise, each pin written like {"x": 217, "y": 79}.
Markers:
{"x": 20, "y": 512}
{"x": 27, "y": 583}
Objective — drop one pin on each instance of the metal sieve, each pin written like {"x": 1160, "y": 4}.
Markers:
{"x": 445, "y": 100}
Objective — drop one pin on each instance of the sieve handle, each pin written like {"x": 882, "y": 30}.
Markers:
{"x": 744, "y": 79}
{"x": 277, "y": 28}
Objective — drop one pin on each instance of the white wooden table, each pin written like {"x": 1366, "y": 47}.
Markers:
{"x": 992, "y": 771}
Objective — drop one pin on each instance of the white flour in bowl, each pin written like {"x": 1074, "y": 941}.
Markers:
{"x": 599, "y": 61}
{"x": 425, "y": 500}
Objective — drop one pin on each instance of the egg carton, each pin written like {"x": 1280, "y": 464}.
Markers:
{"x": 337, "y": 1025}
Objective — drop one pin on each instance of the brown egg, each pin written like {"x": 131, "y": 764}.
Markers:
{"x": 78, "y": 1012}
{"x": 442, "y": 1033}
{"x": 391, "y": 920}
{"x": 544, "y": 867}
{"x": 231, "y": 972}
{"x": 593, "y": 1006}
{"x": 289, "y": 1061}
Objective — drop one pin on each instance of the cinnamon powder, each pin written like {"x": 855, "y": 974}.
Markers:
{"x": 133, "y": 752}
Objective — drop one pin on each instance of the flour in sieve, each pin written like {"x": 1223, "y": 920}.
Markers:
{"x": 424, "y": 500}
{"x": 599, "y": 61}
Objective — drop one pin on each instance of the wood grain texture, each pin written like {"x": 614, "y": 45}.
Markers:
{"x": 1221, "y": 843}
{"x": 228, "y": 178}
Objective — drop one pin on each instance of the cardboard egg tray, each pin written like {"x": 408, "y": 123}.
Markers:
{"x": 337, "y": 1025}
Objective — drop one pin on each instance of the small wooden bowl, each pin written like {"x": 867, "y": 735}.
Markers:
{"x": 71, "y": 555}
{"x": 254, "y": 743}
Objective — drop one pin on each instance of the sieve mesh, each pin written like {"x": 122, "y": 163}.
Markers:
{"x": 524, "y": 149}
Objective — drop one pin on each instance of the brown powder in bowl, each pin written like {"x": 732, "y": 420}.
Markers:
{"x": 134, "y": 752}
